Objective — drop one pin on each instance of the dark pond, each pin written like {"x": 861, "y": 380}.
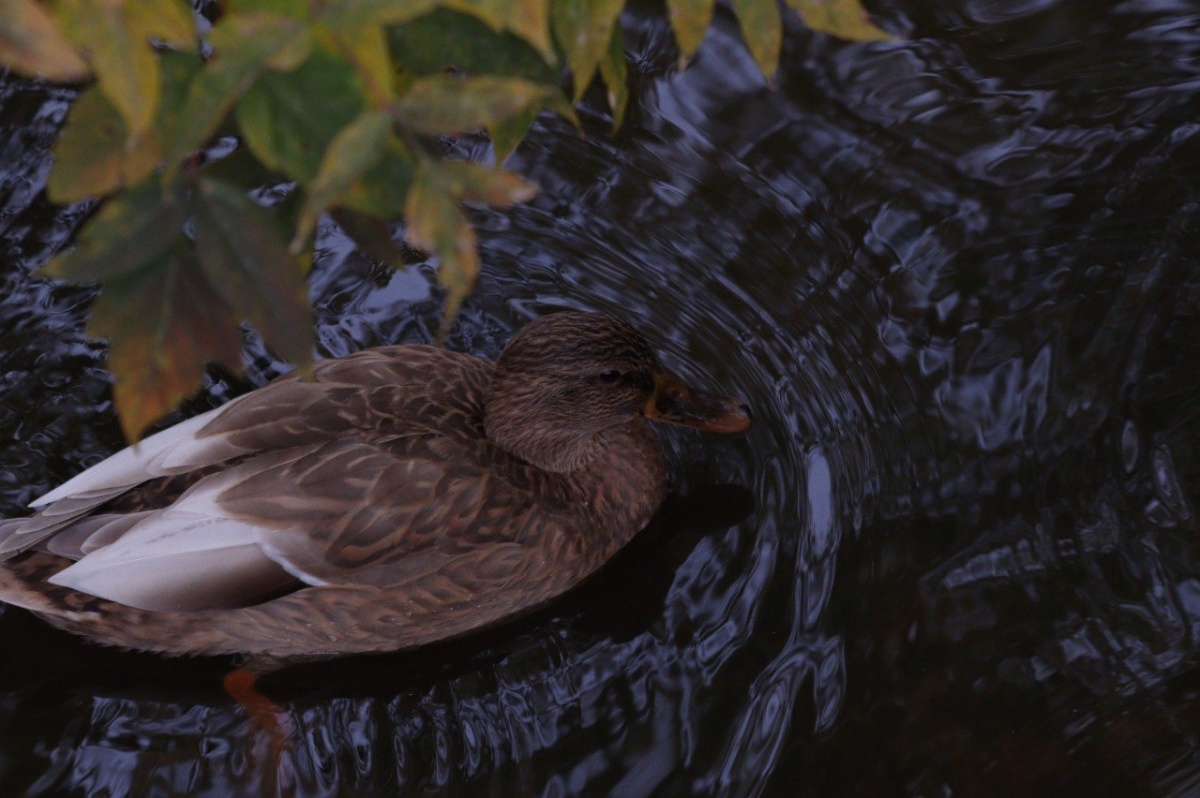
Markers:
{"x": 957, "y": 554}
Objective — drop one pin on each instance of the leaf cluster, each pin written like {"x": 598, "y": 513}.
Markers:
{"x": 343, "y": 99}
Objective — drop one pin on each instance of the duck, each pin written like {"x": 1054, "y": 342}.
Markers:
{"x": 386, "y": 500}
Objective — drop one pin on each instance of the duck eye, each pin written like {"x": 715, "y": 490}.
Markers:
{"x": 611, "y": 376}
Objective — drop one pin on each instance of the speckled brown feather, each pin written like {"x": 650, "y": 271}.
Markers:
{"x": 375, "y": 482}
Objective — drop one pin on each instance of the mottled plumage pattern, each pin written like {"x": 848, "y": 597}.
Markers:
{"x": 398, "y": 496}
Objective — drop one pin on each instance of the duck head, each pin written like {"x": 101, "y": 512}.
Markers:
{"x": 566, "y": 377}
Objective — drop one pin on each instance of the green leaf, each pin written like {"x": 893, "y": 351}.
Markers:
{"x": 354, "y": 150}
{"x": 130, "y": 230}
{"x": 382, "y": 191}
{"x": 296, "y": 9}
{"x": 163, "y": 323}
{"x": 762, "y": 28}
{"x": 168, "y": 20}
{"x": 241, "y": 168}
{"x": 351, "y": 14}
{"x": 507, "y": 134}
{"x": 366, "y": 48}
{"x": 690, "y": 20}
{"x": 32, "y": 45}
{"x": 125, "y": 65}
{"x": 289, "y": 119}
{"x": 178, "y": 70}
{"x": 446, "y": 104}
{"x": 94, "y": 154}
{"x": 526, "y": 18}
{"x": 845, "y": 19}
{"x": 243, "y": 45}
{"x": 246, "y": 260}
{"x": 443, "y": 38}
{"x": 434, "y": 223}
{"x": 613, "y": 70}
{"x": 584, "y": 29}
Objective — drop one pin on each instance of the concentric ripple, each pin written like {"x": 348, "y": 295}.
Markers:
{"x": 956, "y": 553}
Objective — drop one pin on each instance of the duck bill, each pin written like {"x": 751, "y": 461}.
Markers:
{"x": 674, "y": 402}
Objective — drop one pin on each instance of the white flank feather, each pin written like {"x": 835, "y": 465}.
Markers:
{"x": 168, "y": 452}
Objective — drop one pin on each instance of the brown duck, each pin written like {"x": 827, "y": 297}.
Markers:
{"x": 400, "y": 496}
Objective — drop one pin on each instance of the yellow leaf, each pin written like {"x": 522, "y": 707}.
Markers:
{"x": 354, "y": 150}
{"x": 296, "y": 9}
{"x": 125, "y": 64}
{"x": 584, "y": 29}
{"x": 349, "y": 14}
{"x": 690, "y": 20}
{"x": 507, "y": 134}
{"x": 434, "y": 223}
{"x": 845, "y": 19}
{"x": 365, "y": 46}
{"x": 168, "y": 20}
{"x": 613, "y": 70}
{"x": 94, "y": 154}
{"x": 473, "y": 182}
{"x": 762, "y": 28}
{"x": 442, "y": 104}
{"x": 32, "y": 45}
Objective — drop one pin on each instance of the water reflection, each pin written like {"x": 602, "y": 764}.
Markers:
{"x": 955, "y": 554}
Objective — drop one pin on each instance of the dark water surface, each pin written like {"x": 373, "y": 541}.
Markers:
{"x": 956, "y": 554}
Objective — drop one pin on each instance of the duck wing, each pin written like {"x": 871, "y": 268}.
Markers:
{"x": 349, "y": 512}
{"x": 401, "y": 390}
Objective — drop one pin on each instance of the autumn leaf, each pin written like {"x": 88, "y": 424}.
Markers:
{"x": 32, "y": 45}
{"x": 613, "y": 70}
{"x": 507, "y": 133}
{"x": 125, "y": 64}
{"x": 246, "y": 260}
{"x": 355, "y": 149}
{"x": 157, "y": 353}
{"x": 95, "y": 154}
{"x": 446, "y": 104}
{"x": 690, "y": 20}
{"x": 845, "y": 19}
{"x": 762, "y": 28}
{"x": 296, "y": 9}
{"x": 169, "y": 21}
{"x": 365, "y": 47}
{"x": 434, "y": 223}
{"x": 584, "y": 29}
{"x": 355, "y": 13}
